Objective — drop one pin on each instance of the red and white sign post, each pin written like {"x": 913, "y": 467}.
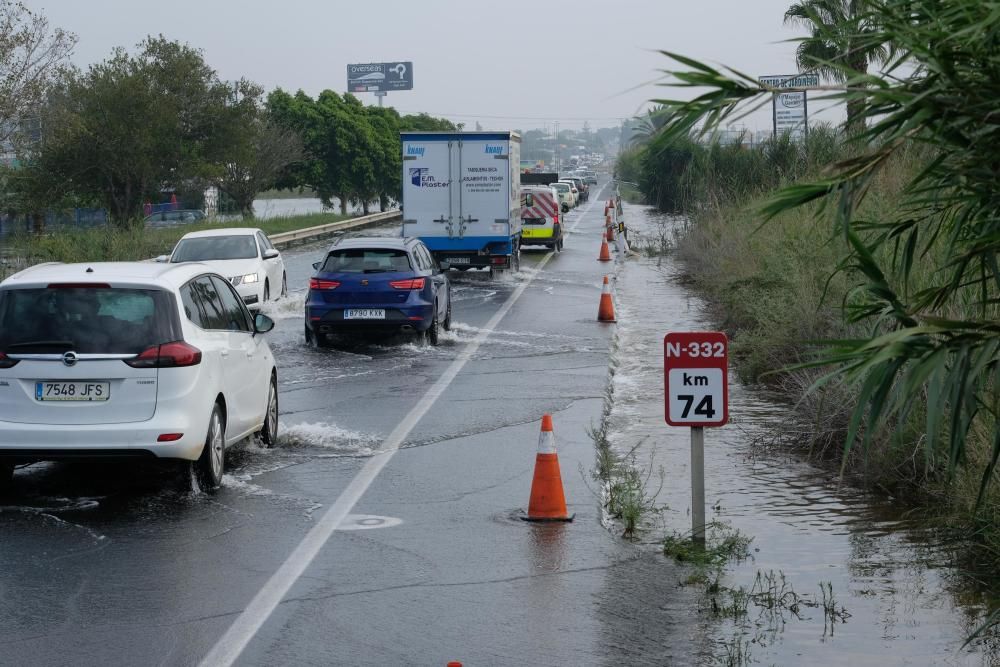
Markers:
{"x": 696, "y": 373}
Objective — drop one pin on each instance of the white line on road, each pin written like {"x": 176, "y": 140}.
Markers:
{"x": 248, "y": 623}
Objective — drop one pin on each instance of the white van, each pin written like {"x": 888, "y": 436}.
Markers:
{"x": 540, "y": 222}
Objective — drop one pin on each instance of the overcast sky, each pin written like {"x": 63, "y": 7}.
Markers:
{"x": 508, "y": 64}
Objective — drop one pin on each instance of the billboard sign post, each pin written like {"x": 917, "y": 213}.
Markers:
{"x": 790, "y": 109}
{"x": 379, "y": 78}
{"x": 696, "y": 376}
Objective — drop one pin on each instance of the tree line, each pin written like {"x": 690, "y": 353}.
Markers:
{"x": 124, "y": 131}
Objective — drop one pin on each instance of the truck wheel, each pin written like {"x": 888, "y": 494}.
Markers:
{"x": 6, "y": 478}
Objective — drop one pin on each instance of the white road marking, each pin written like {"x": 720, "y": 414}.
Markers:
{"x": 248, "y": 623}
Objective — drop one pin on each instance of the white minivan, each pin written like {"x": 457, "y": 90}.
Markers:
{"x": 131, "y": 359}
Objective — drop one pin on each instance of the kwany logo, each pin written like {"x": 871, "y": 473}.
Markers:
{"x": 415, "y": 150}
{"x": 494, "y": 150}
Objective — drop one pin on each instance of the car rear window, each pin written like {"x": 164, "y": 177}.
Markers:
{"x": 89, "y": 320}
{"x": 215, "y": 247}
{"x": 366, "y": 260}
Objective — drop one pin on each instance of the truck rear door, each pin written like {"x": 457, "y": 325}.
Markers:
{"x": 430, "y": 192}
{"x": 485, "y": 192}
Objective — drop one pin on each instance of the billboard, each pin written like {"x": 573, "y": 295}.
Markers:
{"x": 379, "y": 77}
{"x": 790, "y": 109}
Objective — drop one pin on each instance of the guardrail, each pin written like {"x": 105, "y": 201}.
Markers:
{"x": 287, "y": 239}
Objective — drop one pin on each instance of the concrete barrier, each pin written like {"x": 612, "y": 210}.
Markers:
{"x": 287, "y": 239}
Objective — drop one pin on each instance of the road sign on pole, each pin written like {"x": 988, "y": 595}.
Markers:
{"x": 695, "y": 368}
{"x": 696, "y": 375}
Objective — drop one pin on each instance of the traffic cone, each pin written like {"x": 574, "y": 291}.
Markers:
{"x": 610, "y": 228}
{"x": 606, "y": 311}
{"x": 547, "y": 501}
{"x": 605, "y": 255}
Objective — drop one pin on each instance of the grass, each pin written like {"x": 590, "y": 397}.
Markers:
{"x": 625, "y": 490}
{"x": 113, "y": 244}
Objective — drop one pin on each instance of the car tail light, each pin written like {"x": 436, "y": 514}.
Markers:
{"x": 79, "y": 286}
{"x": 555, "y": 219}
{"x": 499, "y": 260}
{"x": 317, "y": 283}
{"x": 168, "y": 355}
{"x": 414, "y": 283}
{"x": 7, "y": 362}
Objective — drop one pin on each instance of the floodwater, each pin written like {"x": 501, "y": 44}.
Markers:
{"x": 906, "y": 601}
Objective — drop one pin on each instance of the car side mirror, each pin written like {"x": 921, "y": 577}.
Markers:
{"x": 316, "y": 265}
{"x": 270, "y": 253}
{"x": 529, "y": 200}
{"x": 163, "y": 258}
{"x": 262, "y": 323}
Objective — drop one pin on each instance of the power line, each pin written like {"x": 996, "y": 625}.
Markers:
{"x": 580, "y": 119}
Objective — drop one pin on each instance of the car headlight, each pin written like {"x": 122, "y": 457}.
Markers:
{"x": 242, "y": 280}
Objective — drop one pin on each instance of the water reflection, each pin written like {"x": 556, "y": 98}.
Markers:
{"x": 901, "y": 586}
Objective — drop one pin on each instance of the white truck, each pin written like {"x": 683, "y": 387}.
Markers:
{"x": 462, "y": 197}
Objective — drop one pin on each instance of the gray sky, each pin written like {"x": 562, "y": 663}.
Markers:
{"x": 513, "y": 64}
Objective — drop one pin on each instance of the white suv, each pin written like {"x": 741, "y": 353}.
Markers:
{"x": 131, "y": 359}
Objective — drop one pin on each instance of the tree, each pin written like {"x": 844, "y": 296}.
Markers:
{"x": 840, "y": 47}
{"x": 31, "y": 56}
{"x": 131, "y": 125}
{"x": 258, "y": 161}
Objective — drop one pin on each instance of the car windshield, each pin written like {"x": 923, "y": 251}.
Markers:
{"x": 366, "y": 260}
{"x": 206, "y": 248}
{"x": 84, "y": 319}
{"x": 561, "y": 187}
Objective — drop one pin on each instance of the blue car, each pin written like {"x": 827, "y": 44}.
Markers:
{"x": 377, "y": 284}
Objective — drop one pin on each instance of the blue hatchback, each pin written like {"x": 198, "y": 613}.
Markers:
{"x": 377, "y": 284}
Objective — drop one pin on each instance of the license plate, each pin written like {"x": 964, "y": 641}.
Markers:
{"x": 458, "y": 260}
{"x": 72, "y": 391}
{"x": 364, "y": 314}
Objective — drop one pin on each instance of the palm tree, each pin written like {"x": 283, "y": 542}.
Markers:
{"x": 648, "y": 126}
{"x": 841, "y": 44}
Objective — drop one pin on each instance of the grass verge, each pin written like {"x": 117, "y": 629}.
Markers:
{"x": 113, "y": 244}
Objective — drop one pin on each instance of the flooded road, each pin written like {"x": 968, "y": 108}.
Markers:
{"x": 902, "y": 591}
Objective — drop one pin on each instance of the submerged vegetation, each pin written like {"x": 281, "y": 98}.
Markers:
{"x": 857, "y": 271}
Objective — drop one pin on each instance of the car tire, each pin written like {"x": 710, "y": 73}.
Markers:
{"x": 314, "y": 340}
{"x": 269, "y": 432}
{"x": 6, "y": 479}
{"x": 515, "y": 261}
{"x": 434, "y": 331}
{"x": 447, "y": 317}
{"x": 559, "y": 244}
{"x": 267, "y": 292}
{"x": 284, "y": 284}
{"x": 565, "y": 208}
{"x": 209, "y": 466}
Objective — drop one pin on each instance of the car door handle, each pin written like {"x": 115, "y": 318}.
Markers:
{"x": 224, "y": 354}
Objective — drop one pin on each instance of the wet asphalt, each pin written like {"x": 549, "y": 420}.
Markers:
{"x": 106, "y": 564}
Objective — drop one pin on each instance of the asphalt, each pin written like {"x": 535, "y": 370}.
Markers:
{"x": 107, "y": 565}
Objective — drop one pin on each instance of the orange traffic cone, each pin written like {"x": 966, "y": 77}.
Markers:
{"x": 606, "y": 310}
{"x": 547, "y": 501}
{"x": 610, "y": 235}
{"x": 605, "y": 255}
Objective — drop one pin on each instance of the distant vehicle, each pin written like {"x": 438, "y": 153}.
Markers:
{"x": 590, "y": 177}
{"x": 564, "y": 191}
{"x": 540, "y": 217}
{"x": 377, "y": 284}
{"x": 460, "y": 196}
{"x": 577, "y": 195}
{"x": 175, "y": 217}
{"x": 244, "y": 255}
{"x": 582, "y": 188}
{"x": 132, "y": 360}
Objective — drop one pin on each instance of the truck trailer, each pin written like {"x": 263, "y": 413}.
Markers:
{"x": 462, "y": 197}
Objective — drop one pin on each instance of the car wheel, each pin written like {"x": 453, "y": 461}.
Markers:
{"x": 269, "y": 433}
{"x": 516, "y": 259}
{"x": 559, "y": 244}
{"x": 315, "y": 340}
{"x": 6, "y": 478}
{"x": 565, "y": 208}
{"x": 267, "y": 292}
{"x": 208, "y": 468}
{"x": 284, "y": 284}
{"x": 447, "y": 317}
{"x": 434, "y": 332}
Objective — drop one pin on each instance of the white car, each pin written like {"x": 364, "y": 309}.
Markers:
{"x": 565, "y": 193}
{"x": 131, "y": 359}
{"x": 245, "y": 256}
